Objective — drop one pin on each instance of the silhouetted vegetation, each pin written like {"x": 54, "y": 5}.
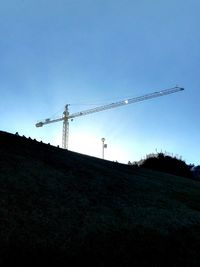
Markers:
{"x": 165, "y": 163}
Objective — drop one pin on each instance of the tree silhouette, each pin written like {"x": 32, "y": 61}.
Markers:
{"x": 165, "y": 163}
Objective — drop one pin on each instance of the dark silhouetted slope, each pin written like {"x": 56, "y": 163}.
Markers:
{"x": 66, "y": 209}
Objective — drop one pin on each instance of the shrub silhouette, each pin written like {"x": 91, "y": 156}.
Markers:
{"x": 165, "y": 163}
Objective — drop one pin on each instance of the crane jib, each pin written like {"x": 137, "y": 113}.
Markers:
{"x": 126, "y": 102}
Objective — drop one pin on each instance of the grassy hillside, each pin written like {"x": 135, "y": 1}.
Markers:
{"x": 66, "y": 209}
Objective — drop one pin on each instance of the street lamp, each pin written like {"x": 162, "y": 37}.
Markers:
{"x": 103, "y": 146}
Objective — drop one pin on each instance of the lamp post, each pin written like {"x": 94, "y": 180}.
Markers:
{"x": 103, "y": 146}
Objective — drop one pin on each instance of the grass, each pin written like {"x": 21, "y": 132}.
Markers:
{"x": 59, "y": 207}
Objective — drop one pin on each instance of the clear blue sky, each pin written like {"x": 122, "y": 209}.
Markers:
{"x": 96, "y": 52}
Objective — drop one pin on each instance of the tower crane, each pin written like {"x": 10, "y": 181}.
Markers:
{"x": 67, "y": 116}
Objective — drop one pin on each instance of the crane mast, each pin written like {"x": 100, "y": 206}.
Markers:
{"x": 65, "y": 128}
{"x": 66, "y": 115}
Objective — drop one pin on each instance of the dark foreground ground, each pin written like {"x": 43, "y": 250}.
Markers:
{"x": 59, "y": 208}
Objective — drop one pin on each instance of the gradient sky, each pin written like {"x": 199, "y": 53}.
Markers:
{"x": 91, "y": 52}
